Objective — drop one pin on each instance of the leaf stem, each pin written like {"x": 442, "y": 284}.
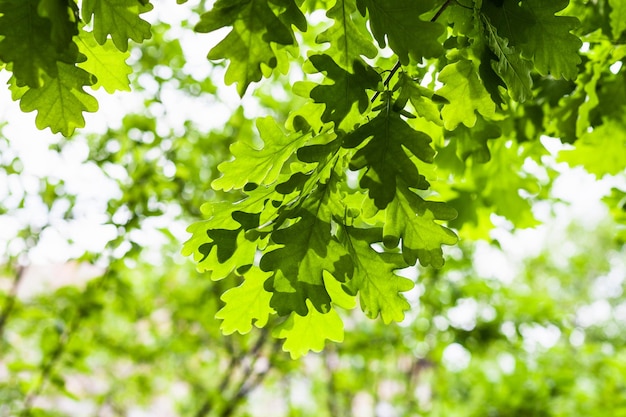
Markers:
{"x": 396, "y": 67}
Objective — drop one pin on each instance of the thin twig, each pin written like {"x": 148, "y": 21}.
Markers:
{"x": 11, "y": 297}
{"x": 396, "y": 67}
{"x": 206, "y": 407}
{"x": 64, "y": 339}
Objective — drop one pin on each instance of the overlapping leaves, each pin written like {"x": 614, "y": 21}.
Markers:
{"x": 384, "y": 156}
{"x": 255, "y": 28}
{"x": 400, "y": 23}
{"x": 306, "y": 224}
{"x": 53, "y": 58}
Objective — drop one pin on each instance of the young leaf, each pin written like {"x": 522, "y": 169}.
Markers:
{"x": 618, "y": 17}
{"x": 224, "y": 251}
{"x": 412, "y": 220}
{"x": 465, "y": 93}
{"x": 246, "y": 304}
{"x": 601, "y": 151}
{"x": 420, "y": 97}
{"x": 118, "y": 18}
{"x": 379, "y": 289}
{"x": 106, "y": 62}
{"x": 348, "y": 41}
{"x": 259, "y": 166}
{"x": 310, "y": 332}
{"x": 60, "y": 101}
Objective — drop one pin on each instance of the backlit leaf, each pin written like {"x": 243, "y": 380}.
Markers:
{"x": 303, "y": 334}
{"x": 119, "y": 19}
{"x": 379, "y": 289}
{"x": 246, "y": 304}
{"x": 61, "y": 101}
{"x": 465, "y": 93}
{"x": 106, "y": 62}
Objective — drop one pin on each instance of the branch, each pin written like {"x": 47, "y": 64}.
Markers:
{"x": 207, "y": 406}
{"x": 65, "y": 337}
{"x": 397, "y": 66}
{"x": 11, "y": 297}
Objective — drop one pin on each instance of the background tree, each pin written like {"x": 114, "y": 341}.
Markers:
{"x": 383, "y": 131}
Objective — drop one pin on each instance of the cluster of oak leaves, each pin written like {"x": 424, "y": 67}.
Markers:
{"x": 333, "y": 203}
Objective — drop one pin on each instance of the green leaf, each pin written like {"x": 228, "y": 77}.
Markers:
{"x": 601, "y": 151}
{"x": 60, "y": 101}
{"x": 248, "y": 45}
{"x": 472, "y": 143}
{"x": 348, "y": 38}
{"x": 259, "y": 166}
{"x": 532, "y": 27}
{"x": 348, "y": 89}
{"x": 618, "y": 17}
{"x": 379, "y": 289}
{"x": 303, "y": 334}
{"x": 511, "y": 66}
{"x": 465, "y": 93}
{"x": 118, "y": 18}
{"x": 385, "y": 156}
{"x": 32, "y": 43}
{"x": 420, "y": 97}
{"x": 307, "y": 250}
{"x": 224, "y": 251}
{"x": 338, "y": 293}
{"x": 399, "y": 22}
{"x": 219, "y": 244}
{"x": 63, "y": 16}
{"x": 246, "y": 304}
{"x": 106, "y": 62}
{"x": 413, "y": 220}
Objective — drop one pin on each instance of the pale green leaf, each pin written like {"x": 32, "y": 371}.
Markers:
{"x": 309, "y": 333}
{"x": 61, "y": 101}
{"x": 380, "y": 290}
{"x": 348, "y": 39}
{"x": 259, "y": 166}
{"x": 601, "y": 151}
{"x": 246, "y": 304}
{"x": 618, "y": 17}
{"x": 106, "y": 62}
{"x": 413, "y": 221}
{"x": 465, "y": 93}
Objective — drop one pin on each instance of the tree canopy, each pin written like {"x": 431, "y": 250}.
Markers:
{"x": 389, "y": 139}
